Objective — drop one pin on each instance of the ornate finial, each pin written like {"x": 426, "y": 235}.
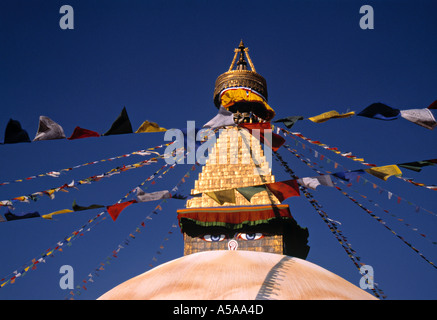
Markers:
{"x": 241, "y": 64}
{"x": 240, "y": 76}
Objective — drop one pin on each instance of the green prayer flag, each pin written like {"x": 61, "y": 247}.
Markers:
{"x": 249, "y": 192}
{"x": 76, "y": 207}
{"x": 289, "y": 121}
{"x": 417, "y": 165}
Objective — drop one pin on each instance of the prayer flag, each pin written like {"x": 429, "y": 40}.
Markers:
{"x": 249, "y": 192}
{"x": 417, "y": 165}
{"x": 314, "y": 182}
{"x": 80, "y": 133}
{"x": 289, "y": 121}
{"x": 277, "y": 140}
{"x": 23, "y": 215}
{"x": 330, "y": 115}
{"x": 148, "y": 126}
{"x": 433, "y": 105}
{"x": 76, "y": 207}
{"x": 222, "y": 196}
{"x": 380, "y": 111}
{"x": 50, "y": 215}
{"x": 48, "y": 130}
{"x": 384, "y": 172}
{"x": 14, "y": 133}
{"x": 284, "y": 189}
{"x": 422, "y": 117}
{"x": 115, "y": 209}
{"x": 145, "y": 197}
{"x": 121, "y": 125}
{"x": 223, "y": 118}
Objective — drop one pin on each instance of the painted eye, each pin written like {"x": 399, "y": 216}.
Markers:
{"x": 250, "y": 236}
{"x": 214, "y": 237}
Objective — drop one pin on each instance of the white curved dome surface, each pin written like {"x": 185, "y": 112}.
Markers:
{"x": 236, "y": 275}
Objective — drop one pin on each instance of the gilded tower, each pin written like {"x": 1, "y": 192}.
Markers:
{"x": 220, "y": 217}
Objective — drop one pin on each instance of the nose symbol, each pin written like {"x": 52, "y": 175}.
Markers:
{"x": 232, "y": 245}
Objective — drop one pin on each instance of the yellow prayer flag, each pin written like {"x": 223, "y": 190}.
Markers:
{"x": 330, "y": 115}
{"x": 222, "y": 196}
{"x": 148, "y": 126}
{"x": 50, "y": 215}
{"x": 385, "y": 172}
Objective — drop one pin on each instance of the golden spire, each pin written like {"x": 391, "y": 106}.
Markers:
{"x": 240, "y": 76}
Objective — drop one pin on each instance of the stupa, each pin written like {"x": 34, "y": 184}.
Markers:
{"x": 240, "y": 241}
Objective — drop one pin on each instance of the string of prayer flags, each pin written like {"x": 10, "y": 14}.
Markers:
{"x": 289, "y": 121}
{"x": 347, "y": 155}
{"x": 264, "y": 128}
{"x": 58, "y": 247}
{"x": 384, "y": 172}
{"x": 365, "y": 181}
{"x": 68, "y": 239}
{"x": 332, "y": 224}
{"x": 281, "y": 189}
{"x": 401, "y": 220}
{"x": 418, "y": 184}
{"x": 330, "y": 115}
{"x": 48, "y": 130}
{"x": 128, "y": 239}
{"x": 148, "y": 126}
{"x": 326, "y": 147}
{"x": 80, "y": 133}
{"x": 380, "y": 111}
{"x": 223, "y": 118}
{"x": 14, "y": 133}
{"x": 161, "y": 246}
{"x": 56, "y": 174}
{"x": 380, "y": 220}
{"x": 121, "y": 125}
{"x": 96, "y": 178}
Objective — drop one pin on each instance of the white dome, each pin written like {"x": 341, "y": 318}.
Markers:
{"x": 236, "y": 275}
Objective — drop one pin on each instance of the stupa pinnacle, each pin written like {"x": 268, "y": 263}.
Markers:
{"x": 230, "y": 88}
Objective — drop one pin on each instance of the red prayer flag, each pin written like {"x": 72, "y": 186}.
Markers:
{"x": 277, "y": 140}
{"x": 433, "y": 105}
{"x": 284, "y": 189}
{"x": 115, "y": 210}
{"x": 80, "y": 133}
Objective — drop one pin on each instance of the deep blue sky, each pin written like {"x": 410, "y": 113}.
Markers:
{"x": 160, "y": 59}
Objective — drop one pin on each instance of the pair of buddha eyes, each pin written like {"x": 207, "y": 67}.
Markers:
{"x": 239, "y": 236}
